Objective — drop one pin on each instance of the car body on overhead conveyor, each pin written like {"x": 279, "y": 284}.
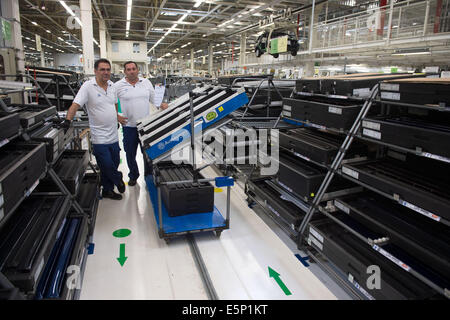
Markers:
{"x": 263, "y": 42}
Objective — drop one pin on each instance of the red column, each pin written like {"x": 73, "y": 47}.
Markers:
{"x": 382, "y": 16}
{"x": 437, "y": 18}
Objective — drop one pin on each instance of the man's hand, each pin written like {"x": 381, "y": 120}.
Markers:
{"x": 122, "y": 120}
{"x": 65, "y": 125}
{"x": 164, "y": 106}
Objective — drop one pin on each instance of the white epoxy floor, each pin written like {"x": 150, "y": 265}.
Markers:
{"x": 237, "y": 262}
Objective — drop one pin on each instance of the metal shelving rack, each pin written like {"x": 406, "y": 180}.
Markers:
{"x": 336, "y": 168}
{"x": 49, "y": 167}
{"x": 318, "y": 204}
{"x": 58, "y": 79}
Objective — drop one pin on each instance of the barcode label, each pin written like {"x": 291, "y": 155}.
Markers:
{"x": 317, "y": 126}
{"x": 390, "y": 86}
{"x": 362, "y": 290}
{"x": 335, "y": 110}
{"x": 390, "y": 95}
{"x": 311, "y": 239}
{"x": 287, "y": 108}
{"x": 272, "y": 209}
{"x": 342, "y": 207}
{"x": 32, "y": 188}
{"x": 362, "y": 92}
{"x": 371, "y": 125}
{"x": 3, "y": 142}
{"x": 350, "y": 172}
{"x": 433, "y": 156}
{"x": 301, "y": 156}
{"x": 315, "y": 234}
{"x": 287, "y": 114}
{"x": 285, "y": 186}
{"x": 372, "y": 133}
{"x": 420, "y": 210}
{"x": 31, "y": 121}
{"x": 391, "y": 257}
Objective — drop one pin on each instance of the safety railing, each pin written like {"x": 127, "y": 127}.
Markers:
{"x": 404, "y": 19}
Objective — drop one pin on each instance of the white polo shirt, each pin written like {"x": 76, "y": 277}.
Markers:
{"x": 101, "y": 108}
{"x": 134, "y": 99}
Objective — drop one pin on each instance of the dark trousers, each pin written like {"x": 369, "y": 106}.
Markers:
{"x": 108, "y": 160}
{"x": 130, "y": 143}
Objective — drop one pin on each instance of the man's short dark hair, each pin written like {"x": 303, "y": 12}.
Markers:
{"x": 102, "y": 60}
{"x": 128, "y": 62}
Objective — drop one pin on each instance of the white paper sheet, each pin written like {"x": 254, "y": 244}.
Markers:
{"x": 159, "y": 95}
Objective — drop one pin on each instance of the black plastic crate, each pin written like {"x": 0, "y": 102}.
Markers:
{"x": 21, "y": 165}
{"x": 70, "y": 168}
{"x": 353, "y": 257}
{"x": 32, "y": 114}
{"x": 89, "y": 196}
{"x": 432, "y": 91}
{"x": 421, "y": 182}
{"x": 337, "y": 114}
{"x": 28, "y": 238}
{"x": 9, "y": 125}
{"x": 184, "y": 198}
{"x": 317, "y": 146}
{"x": 52, "y": 137}
{"x": 411, "y": 132}
{"x": 421, "y": 237}
{"x": 299, "y": 176}
{"x": 273, "y": 201}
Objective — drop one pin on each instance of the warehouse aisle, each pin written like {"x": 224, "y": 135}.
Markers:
{"x": 152, "y": 270}
{"x": 237, "y": 262}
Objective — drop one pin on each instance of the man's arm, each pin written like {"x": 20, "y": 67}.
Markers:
{"x": 72, "y": 111}
{"x": 121, "y": 119}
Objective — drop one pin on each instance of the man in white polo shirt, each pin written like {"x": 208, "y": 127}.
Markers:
{"x": 99, "y": 96}
{"x": 135, "y": 95}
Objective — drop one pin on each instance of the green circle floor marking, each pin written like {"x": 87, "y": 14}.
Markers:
{"x": 122, "y": 233}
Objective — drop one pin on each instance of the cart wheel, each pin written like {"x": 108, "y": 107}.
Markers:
{"x": 218, "y": 233}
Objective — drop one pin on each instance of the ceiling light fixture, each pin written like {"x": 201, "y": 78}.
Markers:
{"x": 197, "y": 3}
{"x": 63, "y": 3}
{"x": 129, "y": 5}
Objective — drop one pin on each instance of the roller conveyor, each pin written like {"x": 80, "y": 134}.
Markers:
{"x": 161, "y": 132}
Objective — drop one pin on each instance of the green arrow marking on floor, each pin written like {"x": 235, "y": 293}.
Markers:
{"x": 122, "y": 257}
{"x": 276, "y": 276}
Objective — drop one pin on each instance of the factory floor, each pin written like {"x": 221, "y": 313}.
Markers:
{"x": 237, "y": 262}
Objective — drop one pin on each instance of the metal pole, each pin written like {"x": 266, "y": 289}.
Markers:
{"x": 228, "y": 205}
{"x": 191, "y": 102}
{"x": 391, "y": 13}
{"x": 161, "y": 231}
{"x": 311, "y": 33}
{"x": 427, "y": 13}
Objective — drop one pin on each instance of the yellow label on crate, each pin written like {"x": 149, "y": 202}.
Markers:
{"x": 220, "y": 108}
{"x": 218, "y": 190}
